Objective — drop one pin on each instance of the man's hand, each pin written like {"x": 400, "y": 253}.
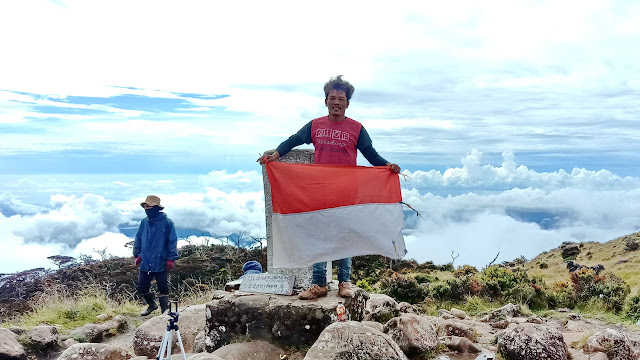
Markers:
{"x": 138, "y": 261}
{"x": 266, "y": 158}
{"x": 395, "y": 168}
{"x": 170, "y": 264}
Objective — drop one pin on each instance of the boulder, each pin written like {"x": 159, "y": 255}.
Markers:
{"x": 89, "y": 351}
{"x": 281, "y": 319}
{"x": 458, "y": 313}
{"x": 531, "y": 342}
{"x": 413, "y": 333}
{"x": 406, "y": 308}
{"x": 254, "y": 350}
{"x": 535, "y": 320}
{"x": 374, "y": 324}
{"x": 508, "y": 311}
{"x": 45, "y": 337}
{"x": 95, "y": 333}
{"x": 10, "y": 348}
{"x": 148, "y": 336}
{"x": 205, "y": 356}
{"x": 18, "y": 330}
{"x": 457, "y": 328}
{"x": 460, "y": 344}
{"x": 352, "y": 340}
{"x": 613, "y": 343}
{"x": 380, "y": 308}
{"x": 446, "y": 314}
{"x": 502, "y": 324}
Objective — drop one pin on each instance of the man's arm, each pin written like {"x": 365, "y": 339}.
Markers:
{"x": 172, "y": 251}
{"x": 303, "y": 136}
{"x": 365, "y": 145}
{"x": 137, "y": 242}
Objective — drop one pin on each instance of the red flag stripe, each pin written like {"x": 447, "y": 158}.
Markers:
{"x": 297, "y": 188}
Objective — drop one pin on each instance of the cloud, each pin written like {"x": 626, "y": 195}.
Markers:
{"x": 71, "y": 220}
{"x": 476, "y": 176}
{"x": 111, "y": 243}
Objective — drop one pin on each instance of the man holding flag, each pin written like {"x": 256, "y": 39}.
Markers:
{"x": 336, "y": 139}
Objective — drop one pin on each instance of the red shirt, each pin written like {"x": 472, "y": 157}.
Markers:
{"x": 335, "y": 141}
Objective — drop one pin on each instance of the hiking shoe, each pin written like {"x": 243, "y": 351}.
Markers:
{"x": 313, "y": 292}
{"x": 345, "y": 289}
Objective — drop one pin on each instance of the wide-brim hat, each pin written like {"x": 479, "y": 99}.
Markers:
{"x": 152, "y": 200}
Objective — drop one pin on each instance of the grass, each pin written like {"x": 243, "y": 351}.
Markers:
{"x": 608, "y": 254}
{"x": 59, "y": 307}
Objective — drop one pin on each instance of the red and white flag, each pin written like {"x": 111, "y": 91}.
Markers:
{"x": 330, "y": 212}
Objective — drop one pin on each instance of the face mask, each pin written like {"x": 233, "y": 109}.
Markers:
{"x": 153, "y": 212}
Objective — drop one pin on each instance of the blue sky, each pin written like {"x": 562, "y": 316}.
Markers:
{"x": 515, "y": 120}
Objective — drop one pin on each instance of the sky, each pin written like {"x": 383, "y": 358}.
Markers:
{"x": 515, "y": 122}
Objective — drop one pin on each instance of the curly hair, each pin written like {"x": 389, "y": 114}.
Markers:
{"x": 336, "y": 83}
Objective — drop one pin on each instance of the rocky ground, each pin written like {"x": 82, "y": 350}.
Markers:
{"x": 392, "y": 330}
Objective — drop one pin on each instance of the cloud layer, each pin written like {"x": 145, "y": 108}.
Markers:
{"x": 475, "y": 211}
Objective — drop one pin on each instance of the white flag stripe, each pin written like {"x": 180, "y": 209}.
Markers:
{"x": 303, "y": 239}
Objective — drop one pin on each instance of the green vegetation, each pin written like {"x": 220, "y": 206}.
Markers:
{"x": 537, "y": 287}
{"x": 68, "y": 311}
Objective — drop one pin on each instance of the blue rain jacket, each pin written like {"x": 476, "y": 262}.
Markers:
{"x": 156, "y": 242}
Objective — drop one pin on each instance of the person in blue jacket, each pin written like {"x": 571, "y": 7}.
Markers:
{"x": 155, "y": 250}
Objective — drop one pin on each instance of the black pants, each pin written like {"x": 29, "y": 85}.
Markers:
{"x": 144, "y": 281}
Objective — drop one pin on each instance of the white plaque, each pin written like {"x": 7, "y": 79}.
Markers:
{"x": 280, "y": 284}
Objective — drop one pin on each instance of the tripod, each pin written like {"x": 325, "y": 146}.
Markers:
{"x": 165, "y": 346}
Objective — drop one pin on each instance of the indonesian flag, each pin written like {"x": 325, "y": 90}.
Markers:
{"x": 330, "y": 212}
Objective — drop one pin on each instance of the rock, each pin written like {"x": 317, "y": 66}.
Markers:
{"x": 461, "y": 345}
{"x": 447, "y": 316}
{"x": 535, "y": 320}
{"x": 284, "y": 320}
{"x": 412, "y": 333}
{"x": 89, "y": 351}
{"x": 507, "y": 311}
{"x": 406, "y": 308}
{"x": 531, "y": 342}
{"x": 148, "y": 336}
{"x": 502, "y": 324}
{"x": 10, "y": 348}
{"x": 373, "y": 324}
{"x": 69, "y": 342}
{"x": 573, "y": 316}
{"x": 95, "y": 333}
{"x": 102, "y": 317}
{"x": 599, "y": 356}
{"x": 458, "y": 313}
{"x": 45, "y": 337}
{"x": 18, "y": 330}
{"x": 219, "y": 294}
{"x": 254, "y": 350}
{"x": 199, "y": 342}
{"x": 380, "y": 308}
{"x": 456, "y": 328}
{"x": 352, "y": 340}
{"x": 613, "y": 343}
{"x": 205, "y": 356}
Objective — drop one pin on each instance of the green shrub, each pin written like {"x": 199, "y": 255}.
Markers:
{"x": 424, "y": 278}
{"x": 560, "y": 295}
{"x": 544, "y": 265}
{"x": 364, "y": 285}
{"x": 610, "y": 289}
{"x": 440, "y": 291}
{"x": 632, "y": 308}
{"x": 497, "y": 280}
{"x": 464, "y": 271}
{"x": 402, "y": 288}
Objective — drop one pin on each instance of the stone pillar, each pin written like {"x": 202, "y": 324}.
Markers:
{"x": 303, "y": 275}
